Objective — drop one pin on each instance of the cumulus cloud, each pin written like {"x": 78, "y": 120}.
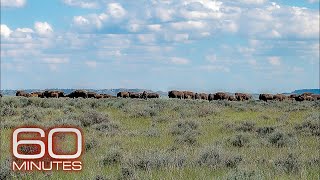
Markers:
{"x": 82, "y": 3}
{"x": 275, "y": 61}
{"x": 179, "y": 61}
{"x": 116, "y": 10}
{"x": 13, "y": 3}
{"x": 5, "y": 30}
{"x": 43, "y": 28}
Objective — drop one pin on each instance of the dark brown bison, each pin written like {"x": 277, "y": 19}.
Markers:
{"x": 52, "y": 94}
{"x": 197, "y": 96}
{"x": 176, "y": 94}
{"x": 134, "y": 95}
{"x": 265, "y": 97}
{"x": 242, "y": 96}
{"x": 292, "y": 96}
{"x": 188, "y": 95}
{"x": 78, "y": 94}
{"x": 106, "y": 95}
{"x": 0, "y": 95}
{"x": 279, "y": 97}
{"x": 203, "y": 96}
{"x": 36, "y": 94}
{"x": 220, "y": 96}
{"x": 123, "y": 94}
{"x": 146, "y": 95}
{"x": 211, "y": 97}
{"x": 98, "y": 96}
{"x": 21, "y": 93}
{"x": 92, "y": 94}
{"x": 232, "y": 98}
{"x": 316, "y": 96}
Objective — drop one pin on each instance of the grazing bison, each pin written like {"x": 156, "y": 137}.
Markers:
{"x": 197, "y": 96}
{"x": 52, "y": 94}
{"x": 279, "y": 97}
{"x": 146, "y": 95}
{"x": 211, "y": 97}
{"x": 292, "y": 96}
{"x": 232, "y": 98}
{"x": 98, "y": 96}
{"x": 265, "y": 97}
{"x": 188, "y": 95}
{"x": 36, "y": 94}
{"x": 78, "y": 94}
{"x": 106, "y": 95}
{"x": 242, "y": 96}
{"x": 21, "y": 93}
{"x": 203, "y": 96}
{"x": 220, "y": 96}
{"x": 176, "y": 94}
{"x": 316, "y": 96}
{"x": 134, "y": 95}
{"x": 123, "y": 94}
{"x": 92, "y": 94}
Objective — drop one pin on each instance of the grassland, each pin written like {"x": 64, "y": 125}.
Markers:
{"x": 176, "y": 139}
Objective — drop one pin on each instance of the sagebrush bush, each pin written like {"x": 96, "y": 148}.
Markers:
{"x": 113, "y": 156}
{"x": 246, "y": 126}
{"x": 280, "y": 139}
{"x": 92, "y": 117}
{"x": 216, "y": 157}
{"x": 310, "y": 126}
{"x": 127, "y": 173}
{"x": 107, "y": 127}
{"x": 239, "y": 140}
{"x": 7, "y": 110}
{"x": 289, "y": 164}
{"x": 5, "y": 170}
{"x": 150, "y": 160}
{"x": 90, "y": 144}
{"x": 186, "y": 132}
{"x": 265, "y": 130}
{"x": 240, "y": 174}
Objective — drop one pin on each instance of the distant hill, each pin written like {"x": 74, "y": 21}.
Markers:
{"x": 300, "y": 91}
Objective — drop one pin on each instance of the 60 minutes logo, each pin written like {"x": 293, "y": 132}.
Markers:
{"x": 38, "y": 153}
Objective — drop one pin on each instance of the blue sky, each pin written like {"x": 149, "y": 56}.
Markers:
{"x": 200, "y": 45}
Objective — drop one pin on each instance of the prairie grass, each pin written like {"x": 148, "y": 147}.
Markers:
{"x": 175, "y": 139}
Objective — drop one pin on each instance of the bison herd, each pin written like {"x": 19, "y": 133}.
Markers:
{"x": 171, "y": 94}
{"x": 241, "y": 96}
{"x": 210, "y": 97}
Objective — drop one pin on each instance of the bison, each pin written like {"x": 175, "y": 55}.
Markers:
{"x": 279, "y": 97}
{"x": 242, "y": 96}
{"x": 146, "y": 95}
{"x": 78, "y": 94}
{"x": 92, "y": 94}
{"x": 265, "y": 97}
{"x": 134, "y": 95}
{"x": 21, "y": 93}
{"x": 211, "y": 97}
{"x": 123, "y": 94}
{"x": 176, "y": 94}
{"x": 232, "y": 98}
{"x": 316, "y": 96}
{"x": 203, "y": 96}
{"x": 0, "y": 95}
{"x": 220, "y": 96}
{"x": 188, "y": 95}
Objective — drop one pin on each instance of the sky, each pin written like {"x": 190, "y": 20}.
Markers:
{"x": 201, "y": 45}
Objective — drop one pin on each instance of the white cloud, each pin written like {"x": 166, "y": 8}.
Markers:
{"x": 214, "y": 68}
{"x": 179, "y": 61}
{"x": 275, "y": 61}
{"x": 116, "y": 10}
{"x": 91, "y": 64}
{"x": 56, "y": 60}
{"x": 13, "y": 3}
{"x": 5, "y": 30}
{"x": 43, "y": 28}
{"x": 313, "y": 1}
{"x": 81, "y": 3}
